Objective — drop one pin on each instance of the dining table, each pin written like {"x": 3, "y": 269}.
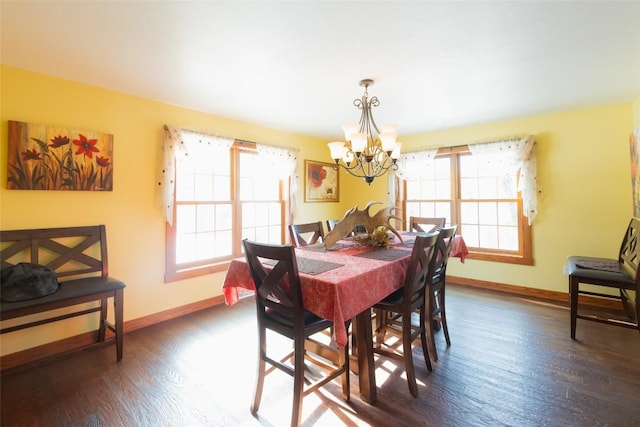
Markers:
{"x": 342, "y": 283}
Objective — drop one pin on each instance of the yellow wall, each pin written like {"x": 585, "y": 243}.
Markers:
{"x": 583, "y": 170}
{"x": 584, "y": 176}
{"x": 135, "y": 227}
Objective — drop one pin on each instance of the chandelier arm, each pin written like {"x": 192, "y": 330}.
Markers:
{"x": 373, "y": 102}
{"x": 358, "y": 168}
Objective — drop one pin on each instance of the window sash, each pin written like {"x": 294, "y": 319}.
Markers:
{"x": 213, "y": 234}
{"x": 506, "y": 239}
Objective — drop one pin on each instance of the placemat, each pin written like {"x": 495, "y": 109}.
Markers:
{"x": 310, "y": 266}
{"x": 314, "y": 266}
{"x": 384, "y": 254}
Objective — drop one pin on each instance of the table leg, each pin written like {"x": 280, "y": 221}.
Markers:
{"x": 366, "y": 368}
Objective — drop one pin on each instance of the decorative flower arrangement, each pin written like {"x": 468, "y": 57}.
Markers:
{"x": 378, "y": 238}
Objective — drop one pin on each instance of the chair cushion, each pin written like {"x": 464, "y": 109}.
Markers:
{"x": 308, "y": 318}
{"x": 601, "y": 269}
{"x": 68, "y": 289}
{"x": 394, "y": 299}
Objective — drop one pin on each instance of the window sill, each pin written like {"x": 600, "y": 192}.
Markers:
{"x": 190, "y": 273}
{"x": 504, "y": 258}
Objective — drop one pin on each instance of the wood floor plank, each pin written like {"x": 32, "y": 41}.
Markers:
{"x": 511, "y": 363}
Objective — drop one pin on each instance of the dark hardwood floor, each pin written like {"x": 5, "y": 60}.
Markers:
{"x": 511, "y": 363}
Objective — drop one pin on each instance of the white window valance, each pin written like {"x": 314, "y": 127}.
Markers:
{"x": 509, "y": 156}
{"x": 283, "y": 162}
{"x": 184, "y": 145}
{"x": 411, "y": 165}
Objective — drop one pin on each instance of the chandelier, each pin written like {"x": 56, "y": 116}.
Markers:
{"x": 369, "y": 151}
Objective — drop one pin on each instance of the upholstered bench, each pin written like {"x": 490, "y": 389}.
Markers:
{"x": 620, "y": 274}
{"x": 78, "y": 255}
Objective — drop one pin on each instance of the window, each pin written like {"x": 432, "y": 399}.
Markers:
{"x": 474, "y": 191}
{"x": 223, "y": 194}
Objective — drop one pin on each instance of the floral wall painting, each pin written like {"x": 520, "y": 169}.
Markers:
{"x": 43, "y": 157}
{"x": 634, "y": 139}
{"x": 321, "y": 182}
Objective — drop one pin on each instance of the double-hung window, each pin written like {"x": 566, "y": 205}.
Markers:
{"x": 224, "y": 192}
{"x": 485, "y": 190}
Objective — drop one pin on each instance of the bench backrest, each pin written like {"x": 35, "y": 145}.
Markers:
{"x": 69, "y": 251}
{"x": 630, "y": 248}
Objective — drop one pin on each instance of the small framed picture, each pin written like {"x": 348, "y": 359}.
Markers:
{"x": 321, "y": 182}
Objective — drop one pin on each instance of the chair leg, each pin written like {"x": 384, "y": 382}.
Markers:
{"x": 380, "y": 329}
{"x": 423, "y": 341}
{"x": 408, "y": 354}
{"x": 262, "y": 350}
{"x": 104, "y": 306}
{"x": 298, "y": 382}
{"x": 118, "y": 312}
{"x": 429, "y": 320}
{"x": 573, "y": 297}
{"x": 443, "y": 316}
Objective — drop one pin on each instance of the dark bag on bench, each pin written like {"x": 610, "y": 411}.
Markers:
{"x": 25, "y": 281}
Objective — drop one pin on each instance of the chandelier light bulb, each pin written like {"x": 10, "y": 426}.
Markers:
{"x": 395, "y": 154}
{"x": 338, "y": 150}
{"x": 388, "y": 140}
{"x": 350, "y": 129}
{"x": 358, "y": 142}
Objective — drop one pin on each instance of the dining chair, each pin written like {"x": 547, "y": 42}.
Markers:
{"x": 394, "y": 313}
{"x": 306, "y": 234}
{"x": 436, "y": 312}
{"x": 424, "y": 224}
{"x": 279, "y": 307}
{"x": 602, "y": 277}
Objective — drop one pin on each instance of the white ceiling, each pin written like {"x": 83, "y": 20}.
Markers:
{"x": 295, "y": 66}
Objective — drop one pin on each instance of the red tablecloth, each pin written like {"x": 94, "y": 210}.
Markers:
{"x": 341, "y": 293}
{"x": 459, "y": 248}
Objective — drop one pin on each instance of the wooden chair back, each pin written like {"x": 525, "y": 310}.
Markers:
{"x": 443, "y": 250}
{"x": 277, "y": 287}
{"x": 306, "y": 234}
{"x": 424, "y": 224}
{"x": 629, "y": 253}
{"x": 331, "y": 223}
{"x": 420, "y": 271}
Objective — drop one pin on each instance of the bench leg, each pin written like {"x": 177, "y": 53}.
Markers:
{"x": 118, "y": 302}
{"x": 573, "y": 303}
{"x": 102, "y": 328}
